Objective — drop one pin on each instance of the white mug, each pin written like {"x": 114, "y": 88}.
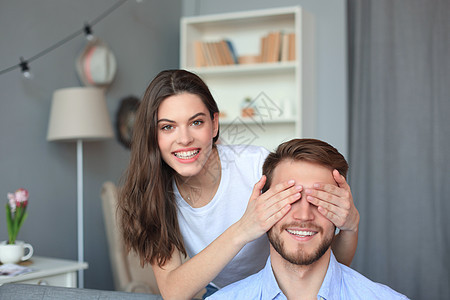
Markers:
{"x": 14, "y": 253}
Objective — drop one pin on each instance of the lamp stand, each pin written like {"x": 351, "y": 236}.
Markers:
{"x": 78, "y": 114}
{"x": 80, "y": 210}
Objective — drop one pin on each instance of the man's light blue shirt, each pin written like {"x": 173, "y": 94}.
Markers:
{"x": 340, "y": 282}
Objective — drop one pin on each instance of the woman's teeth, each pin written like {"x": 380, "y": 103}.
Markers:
{"x": 186, "y": 154}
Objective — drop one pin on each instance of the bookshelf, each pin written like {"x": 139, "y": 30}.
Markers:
{"x": 272, "y": 65}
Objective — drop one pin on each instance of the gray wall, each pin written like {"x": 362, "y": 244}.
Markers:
{"x": 145, "y": 39}
{"x": 331, "y": 57}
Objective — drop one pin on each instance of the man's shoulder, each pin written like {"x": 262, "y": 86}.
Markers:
{"x": 247, "y": 288}
{"x": 354, "y": 283}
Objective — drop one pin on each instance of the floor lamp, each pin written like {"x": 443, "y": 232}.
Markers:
{"x": 79, "y": 114}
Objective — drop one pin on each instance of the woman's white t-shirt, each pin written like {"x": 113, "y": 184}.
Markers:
{"x": 241, "y": 169}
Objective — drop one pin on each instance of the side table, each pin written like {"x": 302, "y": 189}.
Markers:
{"x": 48, "y": 271}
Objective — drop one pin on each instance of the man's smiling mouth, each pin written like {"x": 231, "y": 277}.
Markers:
{"x": 301, "y": 233}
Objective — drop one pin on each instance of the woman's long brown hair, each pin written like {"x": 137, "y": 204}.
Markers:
{"x": 147, "y": 210}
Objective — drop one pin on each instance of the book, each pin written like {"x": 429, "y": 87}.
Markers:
{"x": 13, "y": 270}
{"x": 200, "y": 57}
{"x": 271, "y": 47}
{"x": 225, "y": 56}
{"x": 276, "y": 43}
{"x": 232, "y": 51}
{"x": 264, "y": 46}
{"x": 218, "y": 58}
{"x": 284, "y": 52}
{"x": 292, "y": 49}
{"x": 213, "y": 53}
{"x": 226, "y": 52}
{"x": 210, "y": 61}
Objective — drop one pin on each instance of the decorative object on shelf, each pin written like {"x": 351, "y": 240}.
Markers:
{"x": 14, "y": 253}
{"x": 222, "y": 115}
{"x": 247, "y": 108}
{"x": 16, "y": 212}
{"x": 79, "y": 114}
{"x": 96, "y": 64}
{"x": 125, "y": 117}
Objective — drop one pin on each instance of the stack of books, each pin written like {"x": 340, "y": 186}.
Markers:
{"x": 275, "y": 46}
{"x": 278, "y": 46}
{"x": 219, "y": 53}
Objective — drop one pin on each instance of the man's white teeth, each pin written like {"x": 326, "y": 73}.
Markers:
{"x": 301, "y": 232}
{"x": 186, "y": 154}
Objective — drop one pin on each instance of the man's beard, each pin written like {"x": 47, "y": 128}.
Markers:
{"x": 299, "y": 256}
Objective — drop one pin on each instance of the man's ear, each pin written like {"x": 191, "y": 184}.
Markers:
{"x": 266, "y": 185}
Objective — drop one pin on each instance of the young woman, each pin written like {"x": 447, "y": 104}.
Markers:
{"x": 185, "y": 195}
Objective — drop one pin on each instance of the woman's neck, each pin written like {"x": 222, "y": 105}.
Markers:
{"x": 199, "y": 190}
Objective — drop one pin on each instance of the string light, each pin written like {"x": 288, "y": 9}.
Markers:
{"x": 87, "y": 30}
{"x": 25, "y": 69}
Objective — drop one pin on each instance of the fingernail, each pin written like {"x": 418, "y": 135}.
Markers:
{"x": 316, "y": 185}
{"x": 298, "y": 187}
{"x": 308, "y": 191}
{"x": 291, "y": 181}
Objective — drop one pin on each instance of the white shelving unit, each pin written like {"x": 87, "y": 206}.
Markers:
{"x": 283, "y": 92}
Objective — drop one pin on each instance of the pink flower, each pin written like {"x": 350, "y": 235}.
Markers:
{"x": 19, "y": 198}
{"x": 12, "y": 202}
{"x": 16, "y": 212}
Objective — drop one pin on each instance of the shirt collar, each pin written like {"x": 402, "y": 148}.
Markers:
{"x": 331, "y": 287}
{"x": 270, "y": 289}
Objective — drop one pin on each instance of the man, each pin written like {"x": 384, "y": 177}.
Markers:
{"x": 301, "y": 264}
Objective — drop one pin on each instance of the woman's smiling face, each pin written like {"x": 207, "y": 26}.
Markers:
{"x": 185, "y": 133}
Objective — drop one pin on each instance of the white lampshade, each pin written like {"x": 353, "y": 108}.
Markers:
{"x": 79, "y": 113}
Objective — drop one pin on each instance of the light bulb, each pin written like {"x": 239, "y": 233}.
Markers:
{"x": 25, "y": 69}
{"x": 88, "y": 32}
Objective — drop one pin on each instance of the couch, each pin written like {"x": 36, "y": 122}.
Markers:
{"x": 15, "y": 291}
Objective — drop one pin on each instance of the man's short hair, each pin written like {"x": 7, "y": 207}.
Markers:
{"x": 309, "y": 150}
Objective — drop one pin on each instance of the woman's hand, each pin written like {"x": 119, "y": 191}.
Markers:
{"x": 335, "y": 202}
{"x": 264, "y": 210}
